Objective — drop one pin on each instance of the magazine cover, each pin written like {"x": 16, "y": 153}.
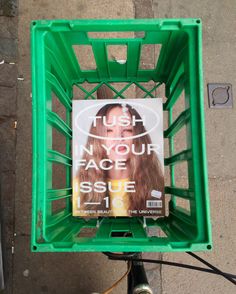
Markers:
{"x": 118, "y": 157}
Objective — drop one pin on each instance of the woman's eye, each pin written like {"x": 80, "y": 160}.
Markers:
{"x": 127, "y": 131}
{"x": 109, "y": 131}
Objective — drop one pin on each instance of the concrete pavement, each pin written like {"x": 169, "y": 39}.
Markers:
{"x": 85, "y": 273}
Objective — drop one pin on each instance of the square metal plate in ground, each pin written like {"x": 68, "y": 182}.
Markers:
{"x": 220, "y": 95}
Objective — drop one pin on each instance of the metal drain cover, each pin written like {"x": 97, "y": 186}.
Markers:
{"x": 220, "y": 95}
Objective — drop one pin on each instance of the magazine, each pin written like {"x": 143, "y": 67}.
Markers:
{"x": 118, "y": 166}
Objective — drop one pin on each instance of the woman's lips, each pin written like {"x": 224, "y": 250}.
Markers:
{"x": 119, "y": 148}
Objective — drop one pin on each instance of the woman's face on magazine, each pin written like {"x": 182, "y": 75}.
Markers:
{"x": 119, "y": 126}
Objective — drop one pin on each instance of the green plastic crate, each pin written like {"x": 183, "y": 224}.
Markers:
{"x": 56, "y": 71}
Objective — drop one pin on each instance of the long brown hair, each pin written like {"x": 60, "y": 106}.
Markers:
{"x": 145, "y": 169}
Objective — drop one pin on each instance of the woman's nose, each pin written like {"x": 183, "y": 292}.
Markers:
{"x": 119, "y": 137}
{"x": 118, "y": 133}
{"x": 122, "y": 137}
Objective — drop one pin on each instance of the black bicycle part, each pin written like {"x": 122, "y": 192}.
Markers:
{"x": 137, "y": 278}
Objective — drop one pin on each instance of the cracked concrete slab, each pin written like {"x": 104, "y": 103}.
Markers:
{"x": 8, "y": 7}
{"x": 63, "y": 272}
{"x": 58, "y": 272}
{"x": 219, "y": 41}
{"x": 45, "y": 273}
